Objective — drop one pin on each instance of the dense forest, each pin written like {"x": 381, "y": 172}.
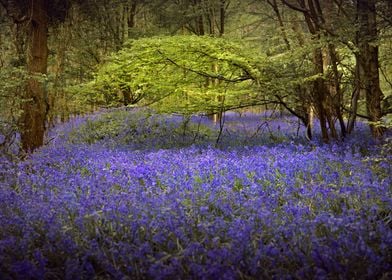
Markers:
{"x": 195, "y": 139}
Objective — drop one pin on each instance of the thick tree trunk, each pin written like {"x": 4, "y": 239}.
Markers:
{"x": 35, "y": 105}
{"x": 368, "y": 74}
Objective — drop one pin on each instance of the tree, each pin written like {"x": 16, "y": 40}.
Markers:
{"x": 172, "y": 72}
{"x": 368, "y": 64}
{"x": 35, "y": 105}
{"x": 198, "y": 17}
{"x": 31, "y": 20}
{"x": 32, "y": 16}
{"x": 326, "y": 95}
{"x": 329, "y": 20}
{"x": 322, "y": 54}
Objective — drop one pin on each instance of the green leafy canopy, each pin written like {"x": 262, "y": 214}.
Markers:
{"x": 181, "y": 73}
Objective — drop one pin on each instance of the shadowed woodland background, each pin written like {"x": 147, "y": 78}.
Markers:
{"x": 330, "y": 59}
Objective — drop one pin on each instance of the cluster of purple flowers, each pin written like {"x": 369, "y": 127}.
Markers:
{"x": 285, "y": 211}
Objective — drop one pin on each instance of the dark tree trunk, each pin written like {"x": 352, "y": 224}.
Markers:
{"x": 319, "y": 95}
{"x": 35, "y": 105}
{"x": 126, "y": 97}
{"x": 335, "y": 90}
{"x": 368, "y": 67}
{"x": 132, "y": 15}
{"x": 222, "y": 12}
{"x": 354, "y": 99}
{"x": 199, "y": 18}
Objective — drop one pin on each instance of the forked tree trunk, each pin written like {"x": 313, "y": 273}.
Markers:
{"x": 35, "y": 105}
{"x": 332, "y": 62}
{"x": 319, "y": 94}
{"x": 320, "y": 97}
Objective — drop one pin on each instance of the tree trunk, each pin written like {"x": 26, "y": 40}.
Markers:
{"x": 132, "y": 15}
{"x": 354, "y": 99}
{"x": 222, "y": 12}
{"x": 368, "y": 74}
{"x": 332, "y": 61}
{"x": 319, "y": 95}
{"x": 126, "y": 96}
{"x": 199, "y": 18}
{"x": 35, "y": 105}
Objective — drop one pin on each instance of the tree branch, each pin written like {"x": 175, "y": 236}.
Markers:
{"x": 357, "y": 114}
{"x": 242, "y": 67}
{"x": 294, "y": 7}
{"x": 207, "y": 75}
{"x": 284, "y": 104}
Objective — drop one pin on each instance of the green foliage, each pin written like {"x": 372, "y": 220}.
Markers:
{"x": 106, "y": 126}
{"x": 12, "y": 83}
{"x": 139, "y": 128}
{"x": 182, "y": 73}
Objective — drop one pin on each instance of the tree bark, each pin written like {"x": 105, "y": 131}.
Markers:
{"x": 126, "y": 92}
{"x": 222, "y": 12}
{"x": 332, "y": 62}
{"x": 35, "y": 104}
{"x": 368, "y": 67}
{"x": 199, "y": 17}
{"x": 354, "y": 99}
{"x": 319, "y": 95}
{"x": 337, "y": 98}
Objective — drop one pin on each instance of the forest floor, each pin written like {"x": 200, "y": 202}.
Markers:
{"x": 134, "y": 195}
